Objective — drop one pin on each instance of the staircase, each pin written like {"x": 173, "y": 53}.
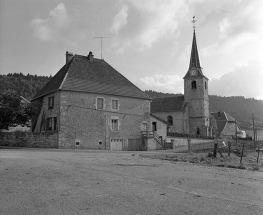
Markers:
{"x": 153, "y": 134}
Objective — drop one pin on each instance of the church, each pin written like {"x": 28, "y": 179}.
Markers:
{"x": 188, "y": 113}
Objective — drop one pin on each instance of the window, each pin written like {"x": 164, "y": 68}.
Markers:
{"x": 144, "y": 126}
{"x": 205, "y": 85}
{"x": 170, "y": 120}
{"x": 49, "y": 123}
{"x": 154, "y": 126}
{"x": 193, "y": 84}
{"x": 51, "y": 102}
{"x": 100, "y": 103}
{"x": 115, "y": 104}
{"x": 114, "y": 124}
{"x": 55, "y": 123}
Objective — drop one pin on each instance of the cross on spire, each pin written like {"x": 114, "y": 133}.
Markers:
{"x": 194, "y": 60}
{"x": 194, "y": 21}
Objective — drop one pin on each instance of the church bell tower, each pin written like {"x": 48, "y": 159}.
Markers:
{"x": 196, "y": 93}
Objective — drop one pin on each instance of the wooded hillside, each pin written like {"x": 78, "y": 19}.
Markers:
{"x": 23, "y": 85}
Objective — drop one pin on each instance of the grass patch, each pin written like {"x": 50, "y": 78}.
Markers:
{"x": 249, "y": 162}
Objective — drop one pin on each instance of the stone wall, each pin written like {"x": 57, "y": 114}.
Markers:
{"x": 184, "y": 141}
{"x": 82, "y": 123}
{"x": 28, "y": 139}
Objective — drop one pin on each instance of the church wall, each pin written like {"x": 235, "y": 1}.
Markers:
{"x": 178, "y": 120}
{"x": 201, "y": 123}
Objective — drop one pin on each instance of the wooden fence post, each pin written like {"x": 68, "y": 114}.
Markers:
{"x": 189, "y": 145}
{"x": 215, "y": 149}
{"x": 229, "y": 148}
{"x": 258, "y": 152}
{"x": 242, "y": 152}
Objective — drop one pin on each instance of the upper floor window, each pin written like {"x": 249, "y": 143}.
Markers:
{"x": 154, "y": 126}
{"x": 170, "y": 120}
{"x": 114, "y": 104}
{"x": 205, "y": 85}
{"x": 193, "y": 84}
{"x": 51, "y": 102}
{"x": 100, "y": 103}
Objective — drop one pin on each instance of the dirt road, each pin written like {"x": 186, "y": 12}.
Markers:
{"x": 39, "y": 181}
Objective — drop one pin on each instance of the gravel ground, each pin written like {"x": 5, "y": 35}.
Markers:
{"x": 49, "y": 181}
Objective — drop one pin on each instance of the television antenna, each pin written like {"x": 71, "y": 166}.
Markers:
{"x": 101, "y": 44}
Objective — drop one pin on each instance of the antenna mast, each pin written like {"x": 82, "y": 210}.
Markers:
{"x": 101, "y": 44}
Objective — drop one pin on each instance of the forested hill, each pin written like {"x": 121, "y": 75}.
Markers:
{"x": 236, "y": 106}
{"x": 24, "y": 85}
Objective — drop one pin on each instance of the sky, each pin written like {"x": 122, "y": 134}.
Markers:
{"x": 148, "y": 41}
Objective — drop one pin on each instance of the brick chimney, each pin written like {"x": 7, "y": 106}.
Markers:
{"x": 90, "y": 57}
{"x": 69, "y": 56}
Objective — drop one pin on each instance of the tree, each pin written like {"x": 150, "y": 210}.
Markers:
{"x": 12, "y": 110}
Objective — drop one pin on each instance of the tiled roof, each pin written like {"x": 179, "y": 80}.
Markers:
{"x": 97, "y": 76}
{"x": 160, "y": 119}
{"x": 167, "y": 104}
{"x": 222, "y": 118}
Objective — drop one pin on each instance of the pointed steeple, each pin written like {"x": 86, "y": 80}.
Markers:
{"x": 194, "y": 60}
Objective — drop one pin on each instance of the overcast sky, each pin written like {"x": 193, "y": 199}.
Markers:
{"x": 150, "y": 40}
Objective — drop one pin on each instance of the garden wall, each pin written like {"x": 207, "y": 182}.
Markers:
{"x": 184, "y": 141}
{"x": 28, "y": 139}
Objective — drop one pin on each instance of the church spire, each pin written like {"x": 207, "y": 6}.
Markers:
{"x": 194, "y": 60}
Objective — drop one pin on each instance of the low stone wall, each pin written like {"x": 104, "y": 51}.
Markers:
{"x": 28, "y": 139}
{"x": 184, "y": 141}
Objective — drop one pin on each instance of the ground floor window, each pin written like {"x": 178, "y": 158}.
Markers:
{"x": 51, "y": 124}
{"x": 114, "y": 124}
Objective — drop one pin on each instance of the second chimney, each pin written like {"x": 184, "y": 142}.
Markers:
{"x": 90, "y": 57}
{"x": 69, "y": 56}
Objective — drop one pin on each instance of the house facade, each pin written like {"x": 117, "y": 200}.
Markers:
{"x": 188, "y": 113}
{"x": 91, "y": 106}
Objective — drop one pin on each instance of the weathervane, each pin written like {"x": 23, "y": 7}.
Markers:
{"x": 194, "y": 21}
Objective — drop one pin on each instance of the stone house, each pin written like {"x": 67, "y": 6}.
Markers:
{"x": 188, "y": 113}
{"x": 226, "y": 124}
{"x": 91, "y": 106}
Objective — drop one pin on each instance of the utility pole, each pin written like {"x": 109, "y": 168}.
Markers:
{"x": 101, "y": 44}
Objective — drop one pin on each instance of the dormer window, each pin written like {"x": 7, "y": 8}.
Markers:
{"x": 193, "y": 84}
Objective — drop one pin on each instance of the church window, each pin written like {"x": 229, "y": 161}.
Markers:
{"x": 205, "y": 85}
{"x": 170, "y": 120}
{"x": 193, "y": 84}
